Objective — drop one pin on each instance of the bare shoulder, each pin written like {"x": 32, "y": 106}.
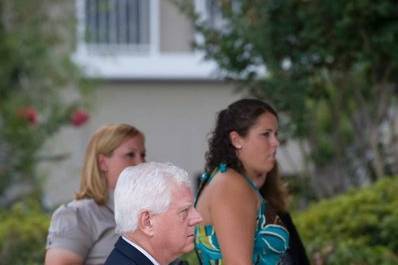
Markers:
{"x": 230, "y": 181}
{"x": 233, "y": 206}
{"x": 227, "y": 193}
{"x": 232, "y": 186}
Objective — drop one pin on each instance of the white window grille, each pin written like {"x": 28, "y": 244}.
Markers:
{"x": 117, "y": 25}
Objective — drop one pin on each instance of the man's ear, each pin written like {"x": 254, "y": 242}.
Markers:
{"x": 103, "y": 162}
{"x": 236, "y": 140}
{"x": 145, "y": 223}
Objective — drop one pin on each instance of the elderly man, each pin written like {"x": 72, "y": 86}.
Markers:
{"x": 154, "y": 214}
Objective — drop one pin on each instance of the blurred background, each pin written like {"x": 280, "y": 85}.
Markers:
{"x": 330, "y": 68}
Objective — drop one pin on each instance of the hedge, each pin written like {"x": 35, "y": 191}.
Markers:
{"x": 23, "y": 230}
{"x": 358, "y": 228}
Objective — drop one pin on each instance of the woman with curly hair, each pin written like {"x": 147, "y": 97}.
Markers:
{"x": 241, "y": 193}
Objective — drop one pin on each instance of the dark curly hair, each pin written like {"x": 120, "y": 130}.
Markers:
{"x": 240, "y": 116}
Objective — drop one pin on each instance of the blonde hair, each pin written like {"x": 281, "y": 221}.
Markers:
{"x": 104, "y": 141}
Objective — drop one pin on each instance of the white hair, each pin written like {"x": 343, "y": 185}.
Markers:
{"x": 146, "y": 186}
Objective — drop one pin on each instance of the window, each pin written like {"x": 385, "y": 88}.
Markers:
{"x": 117, "y": 25}
{"x": 120, "y": 39}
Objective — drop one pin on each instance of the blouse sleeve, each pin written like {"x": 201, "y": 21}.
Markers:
{"x": 69, "y": 230}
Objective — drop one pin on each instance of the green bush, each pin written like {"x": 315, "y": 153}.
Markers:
{"x": 359, "y": 227}
{"x": 23, "y": 230}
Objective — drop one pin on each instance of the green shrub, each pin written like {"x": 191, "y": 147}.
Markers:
{"x": 23, "y": 231}
{"x": 359, "y": 227}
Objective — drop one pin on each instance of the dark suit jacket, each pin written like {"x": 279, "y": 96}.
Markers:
{"x": 125, "y": 254}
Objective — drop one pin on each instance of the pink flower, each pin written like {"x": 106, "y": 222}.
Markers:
{"x": 29, "y": 114}
{"x": 79, "y": 117}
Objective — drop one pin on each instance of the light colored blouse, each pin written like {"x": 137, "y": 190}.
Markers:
{"x": 85, "y": 228}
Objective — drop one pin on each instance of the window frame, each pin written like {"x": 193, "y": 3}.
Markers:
{"x": 117, "y": 36}
{"x": 84, "y": 47}
{"x": 140, "y": 66}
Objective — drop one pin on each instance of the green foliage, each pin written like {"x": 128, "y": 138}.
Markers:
{"x": 356, "y": 228}
{"x": 36, "y": 73}
{"x": 23, "y": 231}
{"x": 331, "y": 68}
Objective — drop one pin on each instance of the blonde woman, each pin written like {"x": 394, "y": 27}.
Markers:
{"x": 82, "y": 231}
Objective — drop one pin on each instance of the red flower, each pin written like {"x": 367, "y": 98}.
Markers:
{"x": 79, "y": 117}
{"x": 29, "y": 114}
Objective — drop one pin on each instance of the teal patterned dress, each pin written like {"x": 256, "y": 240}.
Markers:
{"x": 271, "y": 238}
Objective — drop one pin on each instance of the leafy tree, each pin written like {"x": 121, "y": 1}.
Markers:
{"x": 35, "y": 75}
{"x": 331, "y": 68}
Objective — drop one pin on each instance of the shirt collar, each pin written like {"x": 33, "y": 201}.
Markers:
{"x": 152, "y": 259}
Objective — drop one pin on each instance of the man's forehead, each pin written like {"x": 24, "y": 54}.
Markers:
{"x": 181, "y": 194}
{"x": 180, "y": 188}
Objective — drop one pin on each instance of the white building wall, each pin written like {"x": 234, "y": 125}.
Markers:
{"x": 175, "y": 118}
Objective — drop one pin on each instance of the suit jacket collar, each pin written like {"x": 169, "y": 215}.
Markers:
{"x": 131, "y": 252}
